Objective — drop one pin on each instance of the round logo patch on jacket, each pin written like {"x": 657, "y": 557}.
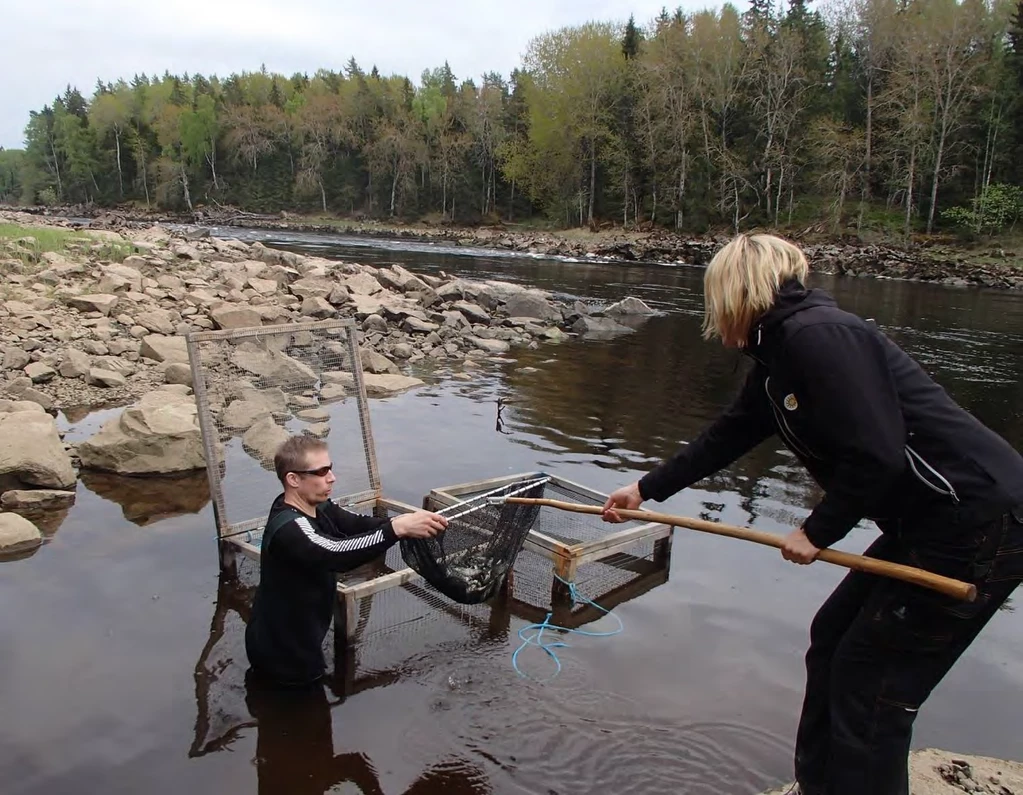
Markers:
{"x": 790, "y": 402}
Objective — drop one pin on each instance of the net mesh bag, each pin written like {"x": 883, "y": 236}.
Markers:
{"x": 468, "y": 561}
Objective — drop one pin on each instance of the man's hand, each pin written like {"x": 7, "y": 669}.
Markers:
{"x": 796, "y": 547}
{"x": 418, "y": 524}
{"x": 627, "y": 497}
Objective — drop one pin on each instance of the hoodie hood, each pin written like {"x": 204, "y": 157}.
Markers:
{"x": 792, "y": 297}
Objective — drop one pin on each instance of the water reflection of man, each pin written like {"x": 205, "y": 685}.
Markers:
{"x": 307, "y": 539}
{"x": 295, "y": 750}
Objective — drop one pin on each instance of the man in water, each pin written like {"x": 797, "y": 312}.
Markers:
{"x": 307, "y": 540}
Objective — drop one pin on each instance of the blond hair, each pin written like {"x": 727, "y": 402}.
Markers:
{"x": 742, "y": 281}
{"x": 293, "y": 454}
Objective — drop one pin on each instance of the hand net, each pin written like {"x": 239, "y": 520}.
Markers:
{"x": 469, "y": 560}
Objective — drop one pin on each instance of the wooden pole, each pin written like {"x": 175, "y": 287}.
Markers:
{"x": 927, "y": 579}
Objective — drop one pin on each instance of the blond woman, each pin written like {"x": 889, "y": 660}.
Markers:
{"x": 884, "y": 442}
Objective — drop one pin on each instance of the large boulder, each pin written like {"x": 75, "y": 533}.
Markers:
{"x": 31, "y": 452}
{"x": 159, "y": 435}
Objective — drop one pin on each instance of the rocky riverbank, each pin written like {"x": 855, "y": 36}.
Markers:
{"x": 78, "y": 329}
{"x": 936, "y": 772}
{"x": 930, "y": 261}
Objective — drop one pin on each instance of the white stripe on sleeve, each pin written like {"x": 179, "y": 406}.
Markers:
{"x": 342, "y": 544}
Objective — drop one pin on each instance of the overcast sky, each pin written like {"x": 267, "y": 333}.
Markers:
{"x": 50, "y": 43}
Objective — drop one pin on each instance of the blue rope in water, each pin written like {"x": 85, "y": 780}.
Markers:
{"x": 548, "y": 648}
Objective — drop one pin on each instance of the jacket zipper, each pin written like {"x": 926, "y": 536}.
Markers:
{"x": 783, "y": 424}
{"x": 913, "y": 457}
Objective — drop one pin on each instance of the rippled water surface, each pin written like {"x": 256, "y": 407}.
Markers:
{"x": 122, "y": 665}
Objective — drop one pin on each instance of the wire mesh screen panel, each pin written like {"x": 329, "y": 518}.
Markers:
{"x": 468, "y": 561}
{"x": 608, "y": 563}
{"x": 393, "y": 620}
{"x": 255, "y": 387}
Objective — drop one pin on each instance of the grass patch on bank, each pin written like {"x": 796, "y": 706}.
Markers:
{"x": 28, "y": 244}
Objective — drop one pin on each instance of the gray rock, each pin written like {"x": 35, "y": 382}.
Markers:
{"x": 40, "y": 373}
{"x": 178, "y": 373}
{"x": 105, "y": 378}
{"x": 31, "y": 452}
{"x": 164, "y": 349}
{"x": 313, "y": 415}
{"x": 602, "y": 327}
{"x": 16, "y": 358}
{"x": 241, "y": 415}
{"x": 372, "y": 323}
{"x": 474, "y": 313}
{"x": 262, "y": 440}
{"x": 228, "y": 316}
{"x": 17, "y": 534}
{"x": 373, "y": 362}
{"x": 75, "y": 363}
{"x": 158, "y": 321}
{"x": 331, "y": 393}
{"x": 629, "y": 306}
{"x": 490, "y": 346}
{"x": 362, "y": 284}
{"x": 338, "y": 295}
{"x": 402, "y": 350}
{"x": 319, "y": 429}
{"x": 95, "y": 348}
{"x": 159, "y": 435}
{"x": 530, "y": 305}
{"x": 97, "y": 302}
{"x": 277, "y": 368}
{"x": 385, "y": 385}
{"x": 318, "y": 307}
{"x": 301, "y": 402}
{"x": 414, "y": 325}
{"x": 36, "y": 499}
{"x": 312, "y": 287}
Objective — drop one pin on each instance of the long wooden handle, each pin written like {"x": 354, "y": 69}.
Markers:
{"x": 927, "y": 579}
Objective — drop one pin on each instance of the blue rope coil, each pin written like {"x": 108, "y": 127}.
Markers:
{"x": 548, "y": 647}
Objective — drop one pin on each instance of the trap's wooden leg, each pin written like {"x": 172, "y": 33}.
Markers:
{"x": 662, "y": 549}
{"x": 228, "y": 559}
{"x": 565, "y": 568}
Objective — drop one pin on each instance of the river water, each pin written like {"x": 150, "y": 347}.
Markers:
{"x": 122, "y": 665}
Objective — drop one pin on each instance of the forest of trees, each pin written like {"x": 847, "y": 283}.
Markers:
{"x": 893, "y": 115}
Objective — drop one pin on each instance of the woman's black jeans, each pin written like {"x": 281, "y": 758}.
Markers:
{"x": 879, "y": 646}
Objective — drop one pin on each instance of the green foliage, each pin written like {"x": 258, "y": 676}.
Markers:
{"x": 997, "y": 209}
{"x": 711, "y": 119}
{"x": 12, "y": 166}
{"x": 29, "y": 243}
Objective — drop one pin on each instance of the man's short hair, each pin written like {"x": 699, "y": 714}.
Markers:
{"x": 293, "y": 454}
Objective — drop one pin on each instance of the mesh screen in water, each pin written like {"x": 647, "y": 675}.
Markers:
{"x": 469, "y": 560}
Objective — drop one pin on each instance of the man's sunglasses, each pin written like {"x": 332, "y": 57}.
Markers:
{"x": 321, "y": 472}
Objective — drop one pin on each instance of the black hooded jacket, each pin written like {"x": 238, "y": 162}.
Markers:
{"x": 878, "y": 434}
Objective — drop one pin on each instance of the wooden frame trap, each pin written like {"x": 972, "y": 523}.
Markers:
{"x": 256, "y": 386}
{"x": 610, "y": 563}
